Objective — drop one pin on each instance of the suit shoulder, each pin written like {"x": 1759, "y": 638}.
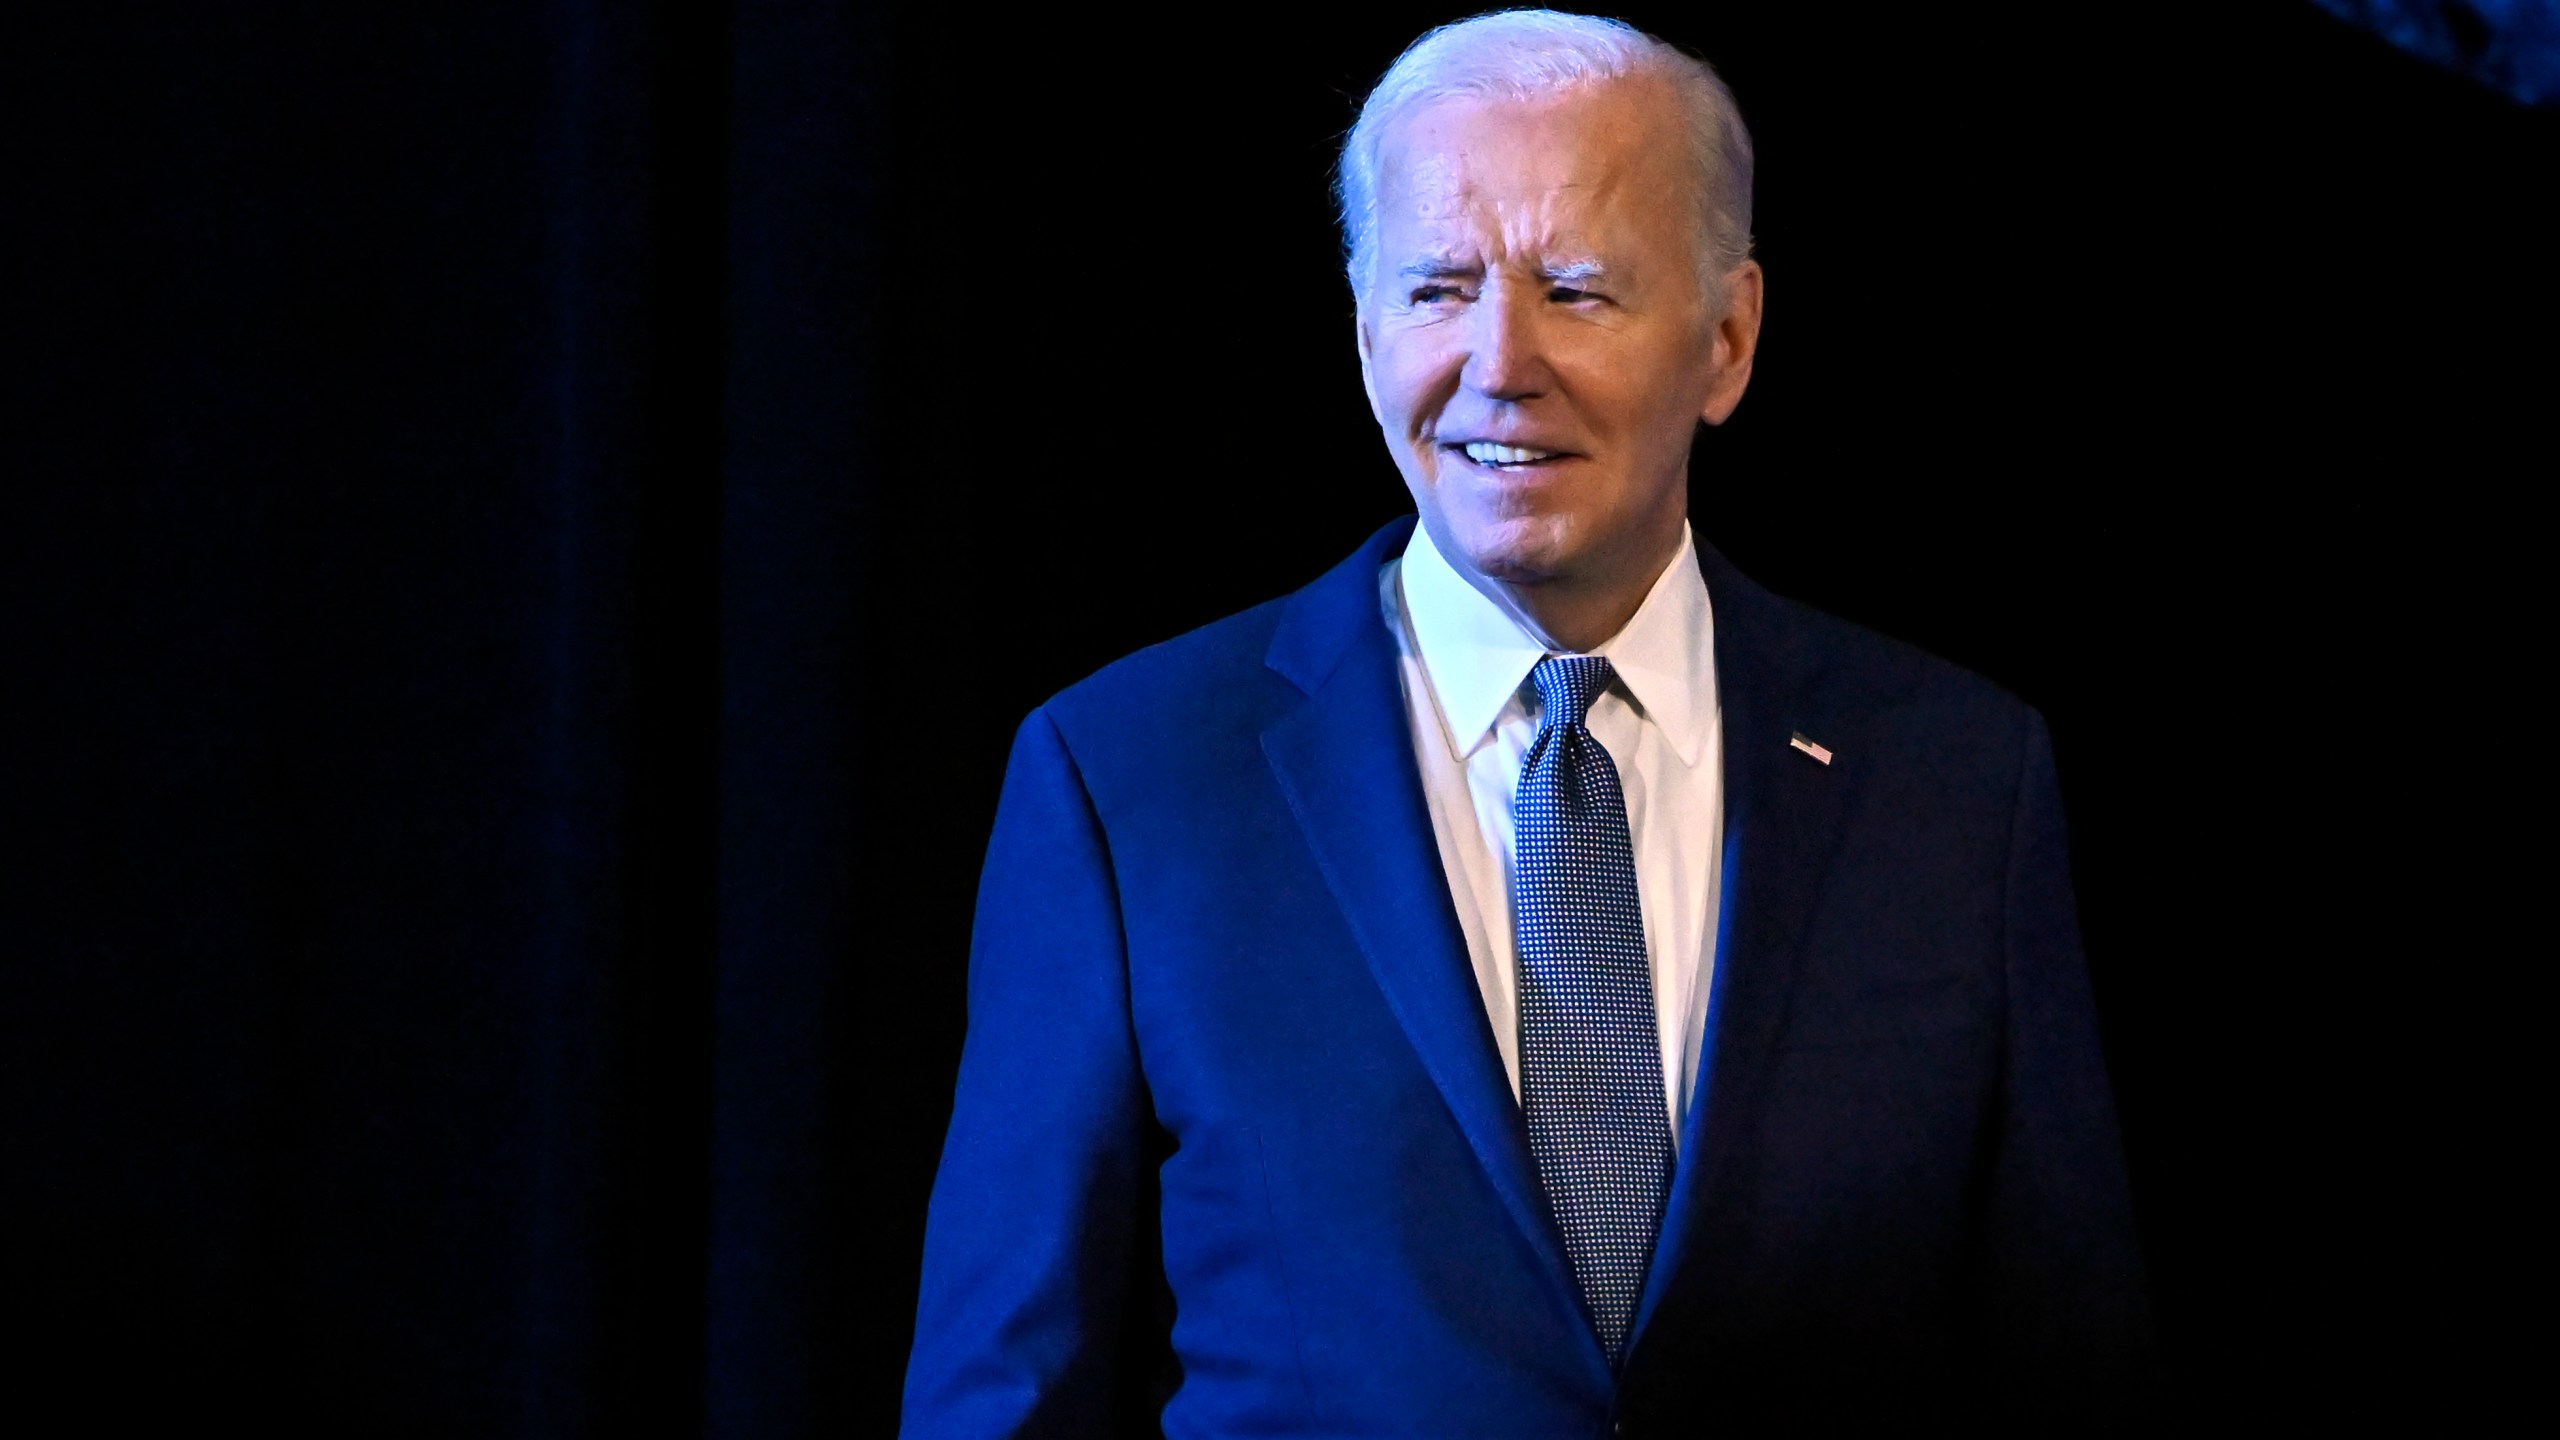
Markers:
{"x": 1895, "y": 687}
{"x": 1203, "y": 681}
{"x": 1190, "y": 711}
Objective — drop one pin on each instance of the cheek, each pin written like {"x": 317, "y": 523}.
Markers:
{"x": 1655, "y": 418}
{"x": 1412, "y": 378}
{"x": 1399, "y": 388}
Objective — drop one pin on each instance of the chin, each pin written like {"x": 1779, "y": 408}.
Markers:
{"x": 1518, "y": 549}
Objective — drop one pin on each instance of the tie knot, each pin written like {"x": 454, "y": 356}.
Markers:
{"x": 1567, "y": 684}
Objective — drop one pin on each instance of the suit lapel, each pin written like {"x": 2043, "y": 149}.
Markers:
{"x": 1782, "y": 811}
{"x": 1344, "y": 760}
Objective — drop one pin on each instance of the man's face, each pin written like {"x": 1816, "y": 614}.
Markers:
{"x": 1534, "y": 337}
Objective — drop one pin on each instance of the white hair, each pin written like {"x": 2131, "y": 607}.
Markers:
{"x": 1524, "y": 54}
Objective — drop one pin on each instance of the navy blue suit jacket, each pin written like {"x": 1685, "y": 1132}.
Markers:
{"x": 1233, "y": 1152}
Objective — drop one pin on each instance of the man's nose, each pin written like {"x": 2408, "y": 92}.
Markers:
{"x": 1506, "y": 360}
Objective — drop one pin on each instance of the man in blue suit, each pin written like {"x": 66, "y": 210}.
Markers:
{"x": 1532, "y": 981}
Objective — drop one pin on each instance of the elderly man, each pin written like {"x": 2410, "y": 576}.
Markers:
{"x": 1532, "y": 981}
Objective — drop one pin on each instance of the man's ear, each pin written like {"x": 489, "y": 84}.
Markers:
{"x": 1737, "y": 340}
{"x": 1368, "y": 381}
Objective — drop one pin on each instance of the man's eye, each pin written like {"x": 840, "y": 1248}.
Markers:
{"x": 1433, "y": 294}
{"x": 1568, "y": 294}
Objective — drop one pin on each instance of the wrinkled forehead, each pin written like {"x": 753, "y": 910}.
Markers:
{"x": 1592, "y": 155}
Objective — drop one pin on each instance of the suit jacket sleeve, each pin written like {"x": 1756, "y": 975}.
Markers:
{"x": 2069, "y": 1328}
{"x": 1031, "y": 1238}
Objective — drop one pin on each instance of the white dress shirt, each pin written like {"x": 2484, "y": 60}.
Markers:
{"x": 1473, "y": 714}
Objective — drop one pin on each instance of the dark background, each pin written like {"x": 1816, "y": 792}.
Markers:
{"x": 527, "y": 528}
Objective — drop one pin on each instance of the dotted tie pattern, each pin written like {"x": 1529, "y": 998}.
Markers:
{"x": 1590, "y": 1056}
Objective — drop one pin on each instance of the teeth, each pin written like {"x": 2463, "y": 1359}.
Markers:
{"x": 1485, "y": 453}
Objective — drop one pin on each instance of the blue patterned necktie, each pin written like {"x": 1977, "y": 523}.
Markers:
{"x": 1590, "y": 1057}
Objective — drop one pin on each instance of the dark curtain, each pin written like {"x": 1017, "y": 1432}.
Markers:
{"x": 432, "y": 544}
{"x": 527, "y": 528}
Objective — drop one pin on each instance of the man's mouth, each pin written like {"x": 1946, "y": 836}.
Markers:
{"x": 1503, "y": 457}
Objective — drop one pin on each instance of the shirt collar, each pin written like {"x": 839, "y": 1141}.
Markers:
{"x": 1476, "y": 656}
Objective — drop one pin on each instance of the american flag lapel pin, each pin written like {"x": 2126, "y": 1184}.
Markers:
{"x": 1808, "y": 747}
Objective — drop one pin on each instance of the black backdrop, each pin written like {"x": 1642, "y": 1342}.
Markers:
{"x": 527, "y": 528}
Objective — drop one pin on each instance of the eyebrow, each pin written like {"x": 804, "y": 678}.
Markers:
{"x": 1433, "y": 267}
